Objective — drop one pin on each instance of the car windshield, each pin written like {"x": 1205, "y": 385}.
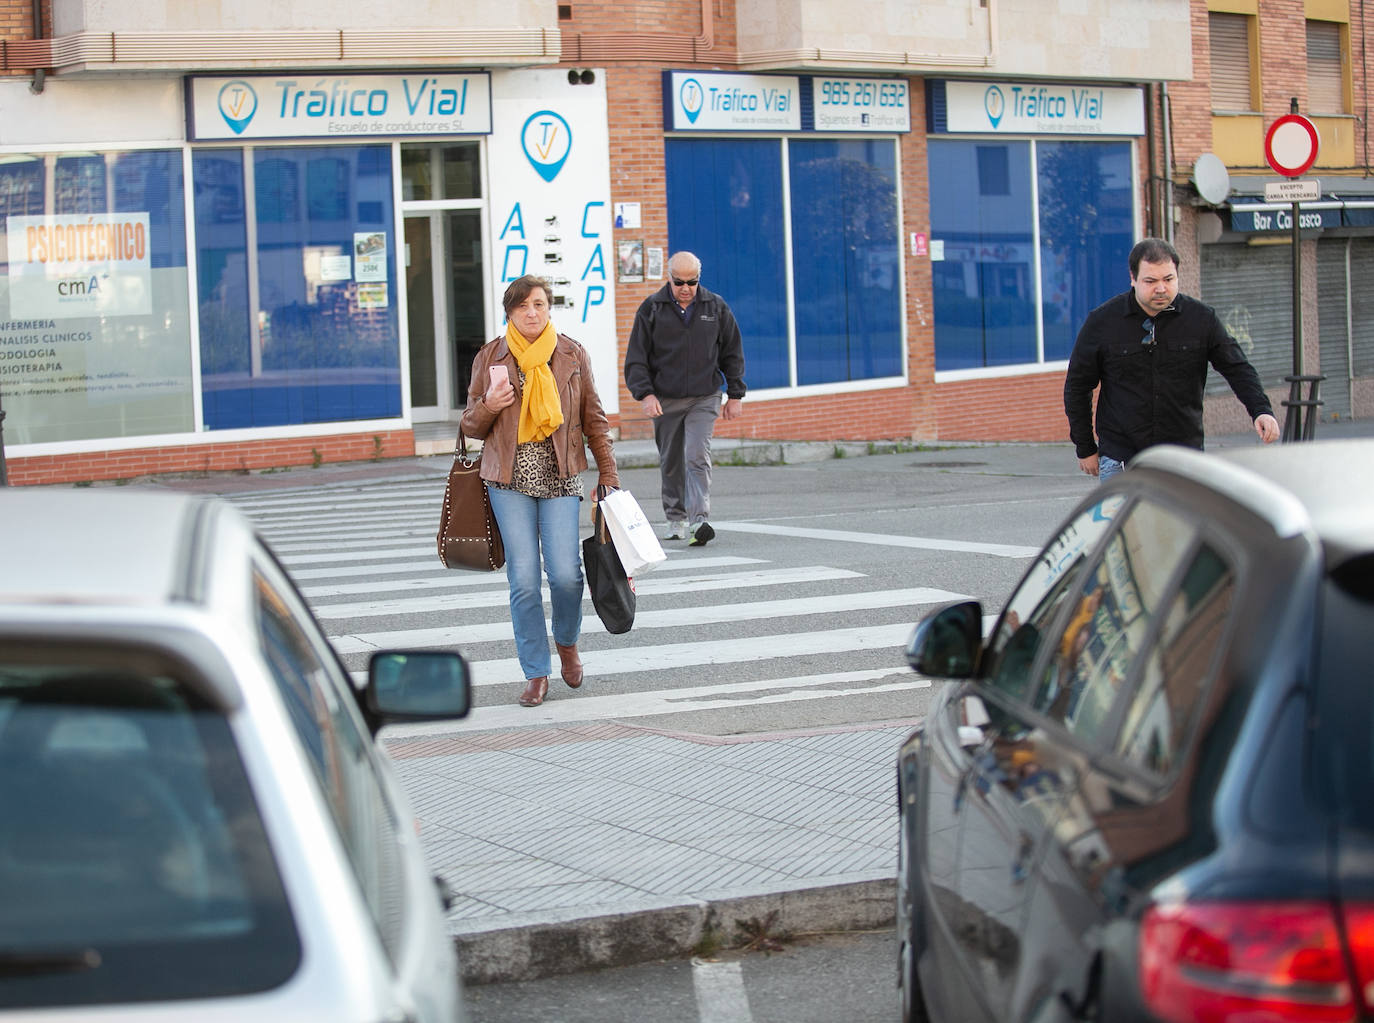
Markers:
{"x": 133, "y": 861}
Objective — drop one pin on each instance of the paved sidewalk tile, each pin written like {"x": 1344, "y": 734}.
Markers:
{"x": 599, "y": 819}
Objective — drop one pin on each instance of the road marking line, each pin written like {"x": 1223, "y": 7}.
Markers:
{"x": 563, "y": 707}
{"x": 1000, "y": 550}
{"x": 721, "y": 997}
{"x": 466, "y": 580}
{"x": 669, "y": 656}
{"x": 463, "y": 636}
{"x": 651, "y": 586}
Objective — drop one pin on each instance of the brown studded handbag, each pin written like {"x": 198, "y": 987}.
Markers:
{"x": 468, "y": 535}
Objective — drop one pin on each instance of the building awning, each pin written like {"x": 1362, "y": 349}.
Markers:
{"x": 1344, "y": 203}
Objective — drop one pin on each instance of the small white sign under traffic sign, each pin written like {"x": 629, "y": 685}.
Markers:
{"x": 1293, "y": 190}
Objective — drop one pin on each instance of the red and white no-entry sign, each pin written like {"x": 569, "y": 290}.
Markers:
{"x": 1291, "y": 145}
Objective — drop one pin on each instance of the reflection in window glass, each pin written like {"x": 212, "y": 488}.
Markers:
{"x": 726, "y": 203}
{"x": 1032, "y": 609}
{"x": 447, "y": 171}
{"x": 845, "y": 259}
{"x": 1106, "y": 630}
{"x": 129, "y": 830}
{"x": 1163, "y": 709}
{"x": 322, "y": 342}
{"x": 981, "y": 214}
{"x": 117, "y": 361}
{"x": 330, "y": 727}
{"x": 997, "y": 207}
{"x": 1087, "y": 228}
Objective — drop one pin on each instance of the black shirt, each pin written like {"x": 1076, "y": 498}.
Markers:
{"x": 1151, "y": 393}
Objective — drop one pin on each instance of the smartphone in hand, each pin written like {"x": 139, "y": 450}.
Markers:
{"x": 497, "y": 375}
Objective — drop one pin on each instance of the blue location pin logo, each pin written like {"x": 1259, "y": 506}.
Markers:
{"x": 995, "y": 104}
{"x": 237, "y": 105}
{"x": 692, "y": 97}
{"x": 547, "y": 140}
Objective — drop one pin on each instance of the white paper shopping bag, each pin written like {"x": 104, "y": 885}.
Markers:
{"x": 634, "y": 538}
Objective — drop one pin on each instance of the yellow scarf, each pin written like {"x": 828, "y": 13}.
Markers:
{"x": 540, "y": 411}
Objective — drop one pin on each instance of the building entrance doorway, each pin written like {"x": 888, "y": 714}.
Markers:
{"x": 445, "y": 274}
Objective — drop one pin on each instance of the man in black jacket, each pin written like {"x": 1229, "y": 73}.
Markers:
{"x": 1149, "y": 349}
{"x": 684, "y": 345}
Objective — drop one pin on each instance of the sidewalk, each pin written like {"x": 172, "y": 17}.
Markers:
{"x": 574, "y": 848}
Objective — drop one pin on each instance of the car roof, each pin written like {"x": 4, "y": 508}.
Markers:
{"x": 1325, "y": 487}
{"x": 104, "y": 546}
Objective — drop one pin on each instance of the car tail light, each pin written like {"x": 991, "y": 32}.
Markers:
{"x": 1359, "y": 930}
{"x": 1208, "y": 962}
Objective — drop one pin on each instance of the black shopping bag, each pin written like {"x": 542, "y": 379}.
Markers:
{"x": 613, "y": 593}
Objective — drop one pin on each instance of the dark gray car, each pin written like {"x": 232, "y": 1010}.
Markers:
{"x": 1149, "y": 795}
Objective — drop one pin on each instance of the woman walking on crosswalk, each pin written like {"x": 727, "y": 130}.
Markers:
{"x": 531, "y": 402}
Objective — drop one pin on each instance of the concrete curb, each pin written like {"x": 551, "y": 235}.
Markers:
{"x": 670, "y": 931}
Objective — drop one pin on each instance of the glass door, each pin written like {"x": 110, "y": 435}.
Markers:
{"x": 445, "y": 274}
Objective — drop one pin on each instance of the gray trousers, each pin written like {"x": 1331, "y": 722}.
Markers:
{"x": 683, "y": 436}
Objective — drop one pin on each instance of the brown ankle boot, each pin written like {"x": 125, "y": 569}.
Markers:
{"x": 535, "y": 691}
{"x": 572, "y": 664}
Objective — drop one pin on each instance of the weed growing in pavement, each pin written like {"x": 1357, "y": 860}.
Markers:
{"x": 760, "y": 935}
{"x": 316, "y": 459}
{"x": 376, "y": 447}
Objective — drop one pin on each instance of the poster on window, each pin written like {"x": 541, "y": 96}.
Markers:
{"x": 68, "y": 266}
{"x": 369, "y": 256}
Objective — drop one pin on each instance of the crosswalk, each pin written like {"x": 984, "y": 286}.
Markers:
{"x": 714, "y": 629}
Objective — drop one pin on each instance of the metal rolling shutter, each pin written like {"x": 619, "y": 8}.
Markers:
{"x": 1332, "y": 312}
{"x": 1250, "y": 287}
{"x": 1362, "y": 307}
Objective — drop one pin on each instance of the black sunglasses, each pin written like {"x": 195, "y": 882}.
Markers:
{"x": 1149, "y": 339}
{"x": 677, "y": 283}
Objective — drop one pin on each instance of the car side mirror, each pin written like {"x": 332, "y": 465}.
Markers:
{"x": 417, "y": 685}
{"x": 948, "y": 643}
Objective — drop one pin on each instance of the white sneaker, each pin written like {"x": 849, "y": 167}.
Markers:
{"x": 676, "y": 531}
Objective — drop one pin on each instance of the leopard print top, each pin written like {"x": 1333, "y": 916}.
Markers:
{"x": 535, "y": 472}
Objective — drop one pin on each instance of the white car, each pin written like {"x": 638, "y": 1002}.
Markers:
{"x": 195, "y": 819}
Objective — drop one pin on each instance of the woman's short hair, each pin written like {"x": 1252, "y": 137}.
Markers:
{"x": 520, "y": 289}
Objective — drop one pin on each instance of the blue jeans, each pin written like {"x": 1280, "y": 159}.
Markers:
{"x": 527, "y": 524}
{"x": 1107, "y": 467}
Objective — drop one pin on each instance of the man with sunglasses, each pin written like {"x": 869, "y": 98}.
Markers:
{"x": 1148, "y": 350}
{"x": 684, "y": 346}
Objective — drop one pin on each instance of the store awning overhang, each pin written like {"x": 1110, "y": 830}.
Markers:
{"x": 1343, "y": 203}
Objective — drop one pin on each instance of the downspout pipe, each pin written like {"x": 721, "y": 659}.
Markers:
{"x": 36, "y": 86}
{"x": 1167, "y": 159}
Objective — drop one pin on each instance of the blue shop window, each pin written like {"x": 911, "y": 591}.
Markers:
{"x": 327, "y": 346}
{"x": 725, "y": 204}
{"x": 984, "y": 286}
{"x": 845, "y": 263}
{"x": 1087, "y": 227}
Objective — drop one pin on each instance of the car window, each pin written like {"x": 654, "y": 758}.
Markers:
{"x": 1112, "y": 614}
{"x": 1162, "y": 712}
{"x": 1032, "y": 609}
{"x": 134, "y": 865}
{"x": 1343, "y": 744}
{"x": 340, "y": 750}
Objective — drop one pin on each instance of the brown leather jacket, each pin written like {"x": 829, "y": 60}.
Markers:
{"x": 582, "y": 414}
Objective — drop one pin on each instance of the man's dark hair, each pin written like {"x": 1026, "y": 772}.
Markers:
{"x": 520, "y": 289}
{"x": 1152, "y": 250}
